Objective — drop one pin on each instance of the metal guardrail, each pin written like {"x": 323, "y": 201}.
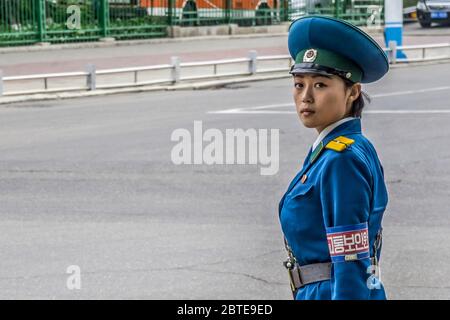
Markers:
{"x": 393, "y": 48}
{"x": 176, "y": 66}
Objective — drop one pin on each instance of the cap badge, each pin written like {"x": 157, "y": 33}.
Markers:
{"x": 310, "y": 55}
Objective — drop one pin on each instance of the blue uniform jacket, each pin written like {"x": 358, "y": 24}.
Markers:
{"x": 343, "y": 190}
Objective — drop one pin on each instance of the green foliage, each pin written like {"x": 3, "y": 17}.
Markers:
{"x": 409, "y": 3}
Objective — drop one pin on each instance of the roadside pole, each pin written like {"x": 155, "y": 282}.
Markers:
{"x": 393, "y": 29}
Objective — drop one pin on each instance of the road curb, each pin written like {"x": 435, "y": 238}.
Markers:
{"x": 184, "y": 86}
{"x": 110, "y": 44}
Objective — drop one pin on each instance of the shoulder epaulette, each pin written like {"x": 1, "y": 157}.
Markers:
{"x": 339, "y": 144}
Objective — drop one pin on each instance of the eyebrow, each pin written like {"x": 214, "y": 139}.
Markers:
{"x": 313, "y": 76}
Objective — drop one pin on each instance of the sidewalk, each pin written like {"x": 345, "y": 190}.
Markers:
{"x": 141, "y": 53}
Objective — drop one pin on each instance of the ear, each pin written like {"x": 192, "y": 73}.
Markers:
{"x": 355, "y": 92}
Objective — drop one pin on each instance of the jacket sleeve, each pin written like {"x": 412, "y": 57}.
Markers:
{"x": 346, "y": 192}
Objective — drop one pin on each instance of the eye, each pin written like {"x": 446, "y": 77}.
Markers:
{"x": 298, "y": 85}
{"x": 320, "y": 85}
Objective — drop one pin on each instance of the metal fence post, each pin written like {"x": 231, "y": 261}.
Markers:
{"x": 336, "y": 8}
{"x": 1, "y": 83}
{"x": 170, "y": 9}
{"x": 40, "y": 15}
{"x": 228, "y": 7}
{"x": 104, "y": 17}
{"x": 252, "y": 54}
{"x": 393, "y": 51}
{"x": 285, "y": 8}
{"x": 175, "y": 61}
{"x": 91, "y": 80}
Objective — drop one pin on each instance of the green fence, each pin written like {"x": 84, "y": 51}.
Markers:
{"x": 358, "y": 12}
{"x": 58, "y": 21}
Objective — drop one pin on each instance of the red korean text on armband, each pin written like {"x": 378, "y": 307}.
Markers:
{"x": 348, "y": 243}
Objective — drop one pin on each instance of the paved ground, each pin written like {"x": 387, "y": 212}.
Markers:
{"x": 90, "y": 182}
{"x": 20, "y": 63}
{"x": 414, "y": 29}
{"x": 66, "y": 60}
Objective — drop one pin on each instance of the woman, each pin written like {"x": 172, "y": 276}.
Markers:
{"x": 331, "y": 212}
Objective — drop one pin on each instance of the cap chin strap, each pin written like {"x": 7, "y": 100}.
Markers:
{"x": 309, "y": 66}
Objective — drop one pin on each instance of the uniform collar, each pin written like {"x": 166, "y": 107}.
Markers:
{"x": 350, "y": 126}
{"x": 328, "y": 129}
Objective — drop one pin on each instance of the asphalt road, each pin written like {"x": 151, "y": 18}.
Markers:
{"x": 90, "y": 182}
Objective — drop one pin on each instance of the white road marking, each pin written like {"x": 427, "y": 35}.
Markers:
{"x": 233, "y": 111}
{"x": 257, "y": 109}
{"x": 401, "y": 93}
{"x": 409, "y": 111}
{"x": 248, "y": 109}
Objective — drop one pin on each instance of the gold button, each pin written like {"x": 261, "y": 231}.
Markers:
{"x": 304, "y": 177}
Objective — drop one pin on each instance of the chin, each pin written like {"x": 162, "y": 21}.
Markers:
{"x": 308, "y": 124}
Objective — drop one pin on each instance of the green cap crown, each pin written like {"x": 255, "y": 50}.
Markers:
{"x": 330, "y": 59}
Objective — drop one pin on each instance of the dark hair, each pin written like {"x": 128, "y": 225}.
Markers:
{"x": 359, "y": 103}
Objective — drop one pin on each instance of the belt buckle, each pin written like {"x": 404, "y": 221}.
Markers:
{"x": 292, "y": 282}
{"x": 294, "y": 273}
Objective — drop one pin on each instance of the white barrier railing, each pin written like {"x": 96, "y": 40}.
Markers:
{"x": 393, "y": 48}
{"x": 176, "y": 66}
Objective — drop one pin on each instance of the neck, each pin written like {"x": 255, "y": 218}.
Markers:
{"x": 321, "y": 128}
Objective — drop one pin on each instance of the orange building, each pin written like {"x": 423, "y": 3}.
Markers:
{"x": 206, "y": 6}
{"x": 210, "y": 4}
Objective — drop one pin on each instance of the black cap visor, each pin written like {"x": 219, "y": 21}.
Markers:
{"x": 309, "y": 71}
{"x": 312, "y": 68}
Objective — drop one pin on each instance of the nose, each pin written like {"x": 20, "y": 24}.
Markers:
{"x": 307, "y": 95}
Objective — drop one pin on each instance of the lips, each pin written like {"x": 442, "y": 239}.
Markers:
{"x": 306, "y": 111}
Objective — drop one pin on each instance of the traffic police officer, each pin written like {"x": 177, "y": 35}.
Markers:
{"x": 332, "y": 211}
